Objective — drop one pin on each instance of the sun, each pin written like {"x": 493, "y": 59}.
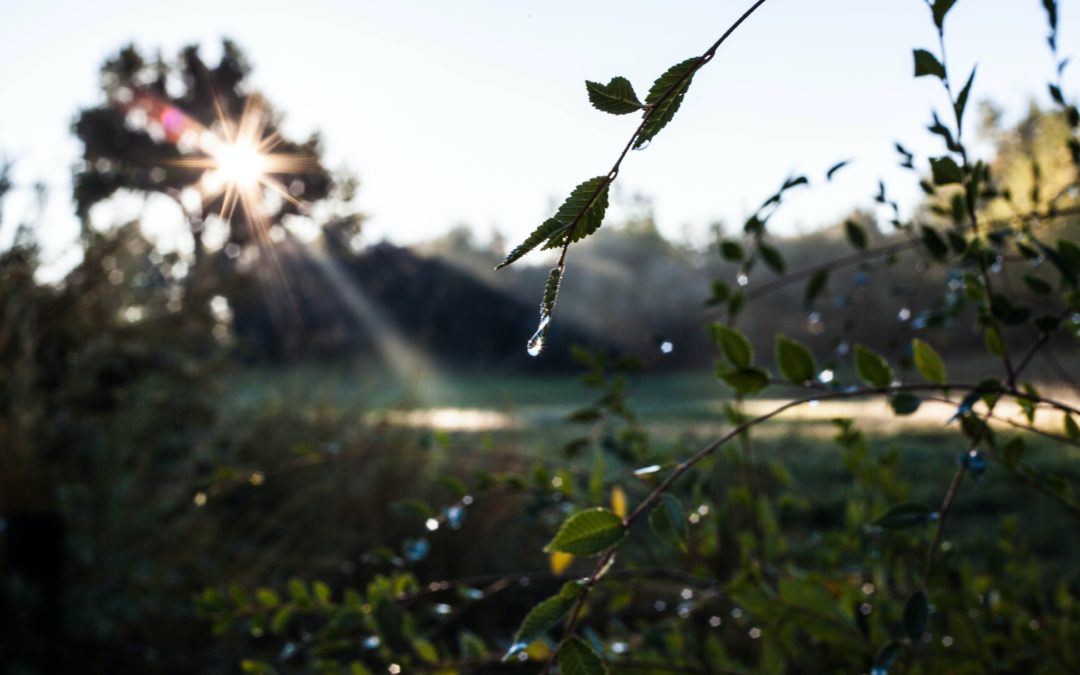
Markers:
{"x": 240, "y": 163}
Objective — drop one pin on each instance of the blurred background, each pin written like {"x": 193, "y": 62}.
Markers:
{"x": 247, "y": 298}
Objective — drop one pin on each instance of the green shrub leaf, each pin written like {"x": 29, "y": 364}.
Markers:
{"x": 945, "y": 170}
{"x": 668, "y": 521}
{"x": 576, "y": 657}
{"x": 616, "y": 97}
{"x": 588, "y": 533}
{"x": 795, "y": 360}
{"x": 543, "y": 617}
{"x": 928, "y": 64}
{"x": 916, "y": 614}
{"x": 745, "y": 380}
{"x": 855, "y": 234}
{"x": 733, "y": 343}
{"x": 929, "y": 362}
{"x": 664, "y": 98}
{"x": 872, "y": 368}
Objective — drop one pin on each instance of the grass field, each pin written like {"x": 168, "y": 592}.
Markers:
{"x": 528, "y": 415}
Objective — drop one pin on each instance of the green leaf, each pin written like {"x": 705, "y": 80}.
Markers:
{"x": 733, "y": 343}
{"x": 745, "y": 380}
{"x": 616, "y": 97}
{"x": 945, "y": 170}
{"x": 664, "y": 98}
{"x": 994, "y": 344}
{"x": 962, "y": 99}
{"x": 815, "y": 287}
{"x": 795, "y": 360}
{"x": 731, "y": 250}
{"x": 588, "y": 533}
{"x": 1037, "y": 284}
{"x": 1071, "y": 429}
{"x": 576, "y": 657}
{"x": 855, "y": 234}
{"x": 543, "y": 617}
{"x": 927, "y": 64}
{"x": 589, "y": 201}
{"x": 1011, "y": 452}
{"x": 905, "y": 403}
{"x": 772, "y": 257}
{"x": 538, "y": 236}
{"x": 904, "y": 516}
{"x": 929, "y": 362}
{"x": 940, "y": 9}
{"x": 668, "y": 521}
{"x": 916, "y": 615}
{"x": 872, "y": 368}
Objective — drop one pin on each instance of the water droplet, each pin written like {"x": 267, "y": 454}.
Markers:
{"x": 904, "y": 314}
{"x": 287, "y": 651}
{"x": 643, "y": 145}
{"x": 647, "y": 470}
{"x": 536, "y": 342}
{"x": 999, "y": 262}
{"x": 814, "y": 324}
{"x": 843, "y": 348}
{"x": 742, "y": 279}
{"x": 866, "y": 608}
{"x": 736, "y": 613}
{"x": 619, "y": 647}
{"x": 715, "y": 621}
{"x": 416, "y": 549}
{"x": 666, "y": 347}
{"x": 826, "y": 376}
{"x": 200, "y": 499}
{"x": 813, "y": 404}
{"x": 754, "y": 633}
{"x": 687, "y": 593}
{"x": 466, "y": 500}
{"x": 454, "y": 516}
{"x": 431, "y": 524}
{"x": 659, "y": 605}
{"x": 442, "y": 609}
{"x": 684, "y": 609}
{"x": 947, "y": 641}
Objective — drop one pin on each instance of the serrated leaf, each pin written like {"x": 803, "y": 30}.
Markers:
{"x": 903, "y": 516}
{"x": 576, "y": 657}
{"x": 916, "y": 615}
{"x": 668, "y": 521}
{"x": 733, "y": 343}
{"x": 945, "y": 170}
{"x": 927, "y": 64}
{"x": 589, "y": 201}
{"x": 617, "y": 97}
{"x": 929, "y": 362}
{"x": 538, "y": 236}
{"x": 856, "y": 235}
{"x": 871, "y": 367}
{"x": 664, "y": 98}
{"x": 542, "y": 617}
{"x": 795, "y": 360}
{"x": 745, "y": 380}
{"x": 588, "y": 532}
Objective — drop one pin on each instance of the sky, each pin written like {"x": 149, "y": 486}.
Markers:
{"x": 475, "y": 113}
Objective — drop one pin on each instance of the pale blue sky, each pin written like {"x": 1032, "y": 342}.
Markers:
{"x": 475, "y": 112}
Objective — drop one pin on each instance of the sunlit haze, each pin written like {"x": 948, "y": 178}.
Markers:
{"x": 475, "y": 113}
